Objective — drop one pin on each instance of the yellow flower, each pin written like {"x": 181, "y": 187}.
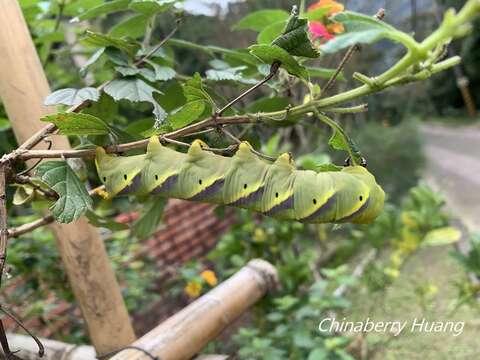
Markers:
{"x": 334, "y": 6}
{"x": 408, "y": 220}
{"x": 193, "y": 289}
{"x": 210, "y": 277}
{"x": 259, "y": 235}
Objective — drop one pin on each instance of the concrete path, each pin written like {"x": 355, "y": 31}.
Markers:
{"x": 453, "y": 166}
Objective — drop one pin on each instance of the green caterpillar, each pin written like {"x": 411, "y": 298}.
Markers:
{"x": 244, "y": 180}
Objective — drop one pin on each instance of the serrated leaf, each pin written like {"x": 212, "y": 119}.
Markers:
{"x": 295, "y": 39}
{"x": 359, "y": 29}
{"x": 272, "y": 53}
{"x": 196, "y": 97}
{"x": 127, "y": 70}
{"x": 136, "y": 90}
{"x": 103, "y": 9}
{"x": 92, "y": 60}
{"x": 258, "y": 20}
{"x": 101, "y": 40}
{"x": 78, "y": 124}
{"x": 151, "y": 7}
{"x": 193, "y": 89}
{"x": 162, "y": 73}
{"x": 133, "y": 27}
{"x": 230, "y": 74}
{"x": 149, "y": 220}
{"x": 73, "y": 198}
{"x": 72, "y": 96}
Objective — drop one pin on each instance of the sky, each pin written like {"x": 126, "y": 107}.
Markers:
{"x": 207, "y": 7}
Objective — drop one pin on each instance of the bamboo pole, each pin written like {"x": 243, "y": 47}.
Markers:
{"x": 184, "y": 334}
{"x": 23, "y": 87}
{"x": 57, "y": 350}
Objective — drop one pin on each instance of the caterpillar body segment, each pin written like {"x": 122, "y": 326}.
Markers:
{"x": 278, "y": 190}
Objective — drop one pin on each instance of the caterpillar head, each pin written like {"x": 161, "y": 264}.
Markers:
{"x": 120, "y": 175}
{"x": 367, "y": 198}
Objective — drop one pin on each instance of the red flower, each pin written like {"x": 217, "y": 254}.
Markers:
{"x": 318, "y": 29}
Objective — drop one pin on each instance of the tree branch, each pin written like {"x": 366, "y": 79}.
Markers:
{"x": 273, "y": 70}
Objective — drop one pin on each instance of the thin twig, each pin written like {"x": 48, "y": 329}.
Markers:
{"x": 86, "y": 153}
{"x": 47, "y": 219}
{"x": 273, "y": 70}
{"x": 41, "y": 348}
{"x": 158, "y": 46}
{"x": 238, "y": 141}
{"x": 346, "y": 58}
{"x": 3, "y": 247}
{"x": 3, "y": 220}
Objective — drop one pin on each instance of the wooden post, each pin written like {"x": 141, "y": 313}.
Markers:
{"x": 23, "y": 87}
{"x": 188, "y": 331}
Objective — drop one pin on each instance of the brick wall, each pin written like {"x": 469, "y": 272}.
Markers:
{"x": 189, "y": 231}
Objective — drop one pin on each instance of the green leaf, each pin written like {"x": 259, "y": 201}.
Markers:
{"x": 127, "y": 70}
{"x": 72, "y": 96}
{"x": 102, "y": 222}
{"x": 272, "y": 53}
{"x": 317, "y": 14}
{"x": 135, "y": 90}
{"x": 295, "y": 39}
{"x": 268, "y": 104}
{"x": 151, "y": 7}
{"x": 116, "y": 56}
{"x": 362, "y": 29}
{"x": 318, "y": 72}
{"x": 101, "y": 40}
{"x": 105, "y": 108}
{"x": 5, "y": 124}
{"x": 193, "y": 89}
{"x": 149, "y": 220}
{"x": 187, "y": 114}
{"x": 318, "y": 354}
{"x": 92, "y": 60}
{"x": 78, "y": 124}
{"x": 337, "y": 141}
{"x": 197, "y": 98}
{"x": 103, "y": 9}
{"x": 258, "y": 20}
{"x": 73, "y": 198}
{"x": 133, "y": 27}
{"x": 270, "y": 33}
{"x": 162, "y": 73}
{"x": 229, "y": 74}
{"x": 442, "y": 236}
